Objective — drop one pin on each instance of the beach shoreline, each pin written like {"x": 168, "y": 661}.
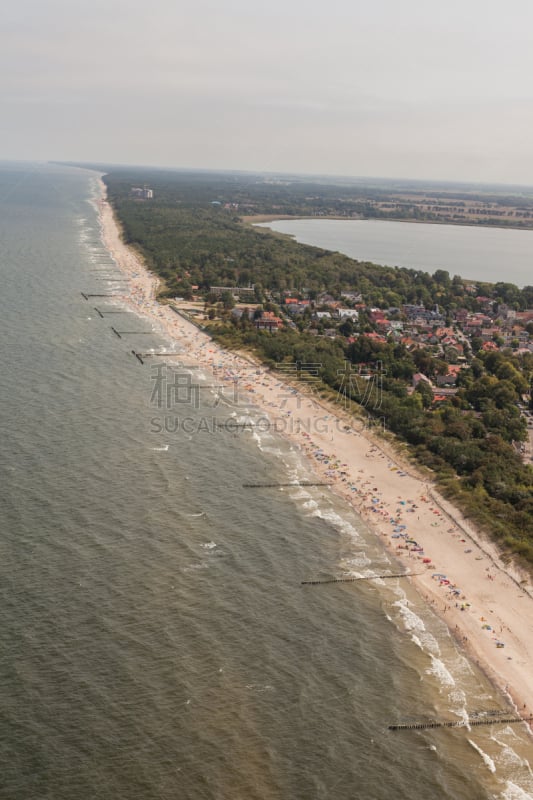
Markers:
{"x": 485, "y": 603}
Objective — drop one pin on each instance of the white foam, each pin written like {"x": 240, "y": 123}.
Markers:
{"x": 462, "y": 713}
{"x": 459, "y": 697}
{"x": 209, "y": 545}
{"x": 430, "y": 644}
{"x": 510, "y": 757}
{"x": 514, "y": 792}
{"x": 487, "y": 760}
{"x": 301, "y": 494}
{"x": 358, "y": 560}
{"x": 411, "y": 621}
{"x": 260, "y": 687}
{"x": 257, "y": 438}
{"x": 420, "y": 641}
{"x": 338, "y": 522}
{"x": 462, "y": 667}
{"x": 440, "y": 671}
{"x": 274, "y": 451}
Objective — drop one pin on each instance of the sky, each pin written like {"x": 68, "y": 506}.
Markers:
{"x": 411, "y": 89}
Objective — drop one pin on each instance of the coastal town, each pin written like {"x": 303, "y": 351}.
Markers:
{"x": 495, "y": 326}
{"x": 450, "y": 341}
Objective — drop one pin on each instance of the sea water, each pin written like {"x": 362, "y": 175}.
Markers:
{"x": 156, "y": 640}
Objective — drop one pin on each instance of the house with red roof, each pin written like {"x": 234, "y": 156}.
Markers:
{"x": 268, "y": 322}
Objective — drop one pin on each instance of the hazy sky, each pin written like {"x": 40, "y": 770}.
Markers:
{"x": 410, "y": 88}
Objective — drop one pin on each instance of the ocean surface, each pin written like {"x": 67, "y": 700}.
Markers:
{"x": 477, "y": 253}
{"x": 155, "y": 639}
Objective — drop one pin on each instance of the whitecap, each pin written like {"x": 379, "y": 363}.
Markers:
{"x": 487, "y": 760}
{"x": 337, "y": 521}
{"x": 259, "y": 687}
{"x": 411, "y": 621}
{"x": 439, "y": 670}
{"x": 258, "y": 439}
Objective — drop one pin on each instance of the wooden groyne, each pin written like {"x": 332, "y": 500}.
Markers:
{"x": 146, "y": 355}
{"x": 120, "y": 334}
{"x": 359, "y": 578}
{"x": 179, "y": 365}
{"x": 98, "y": 311}
{"x": 86, "y": 296}
{"x": 230, "y": 424}
{"x": 429, "y": 724}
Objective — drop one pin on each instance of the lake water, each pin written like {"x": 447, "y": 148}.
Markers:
{"x": 155, "y": 640}
{"x": 478, "y": 253}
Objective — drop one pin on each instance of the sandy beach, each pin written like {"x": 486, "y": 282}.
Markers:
{"x": 486, "y": 604}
